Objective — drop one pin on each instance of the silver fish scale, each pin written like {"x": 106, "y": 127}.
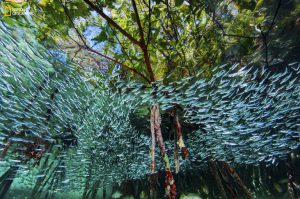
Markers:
{"x": 236, "y": 106}
{"x": 248, "y": 114}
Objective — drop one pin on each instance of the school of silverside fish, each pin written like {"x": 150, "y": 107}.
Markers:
{"x": 248, "y": 114}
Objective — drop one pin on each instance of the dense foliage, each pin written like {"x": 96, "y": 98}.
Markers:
{"x": 181, "y": 36}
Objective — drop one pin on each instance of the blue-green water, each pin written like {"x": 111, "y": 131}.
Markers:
{"x": 61, "y": 137}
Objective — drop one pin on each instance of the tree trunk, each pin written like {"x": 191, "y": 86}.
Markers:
{"x": 293, "y": 187}
{"x": 153, "y": 183}
{"x": 95, "y": 189}
{"x": 45, "y": 168}
{"x": 104, "y": 192}
{"x": 152, "y": 126}
{"x": 235, "y": 175}
{"x": 176, "y": 160}
{"x": 184, "y": 151}
{"x": 6, "y": 180}
{"x": 169, "y": 182}
{"x": 214, "y": 171}
{"x": 86, "y": 191}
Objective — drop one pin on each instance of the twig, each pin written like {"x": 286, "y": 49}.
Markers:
{"x": 149, "y": 27}
{"x": 275, "y": 15}
{"x": 122, "y": 46}
{"x": 264, "y": 37}
{"x": 142, "y": 43}
{"x": 112, "y": 22}
{"x": 219, "y": 25}
{"x": 265, "y": 34}
{"x": 121, "y": 64}
{"x": 72, "y": 23}
{"x": 98, "y": 53}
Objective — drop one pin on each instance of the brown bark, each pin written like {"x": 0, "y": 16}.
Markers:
{"x": 184, "y": 151}
{"x": 169, "y": 182}
{"x": 233, "y": 172}
{"x": 147, "y": 60}
{"x": 176, "y": 160}
{"x": 152, "y": 125}
{"x": 214, "y": 171}
{"x": 157, "y": 129}
{"x": 143, "y": 43}
{"x": 153, "y": 183}
{"x": 228, "y": 185}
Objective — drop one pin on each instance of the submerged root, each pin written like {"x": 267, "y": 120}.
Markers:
{"x": 170, "y": 186}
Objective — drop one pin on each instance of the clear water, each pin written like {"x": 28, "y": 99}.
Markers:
{"x": 62, "y": 138}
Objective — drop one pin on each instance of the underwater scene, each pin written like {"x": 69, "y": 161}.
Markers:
{"x": 138, "y": 99}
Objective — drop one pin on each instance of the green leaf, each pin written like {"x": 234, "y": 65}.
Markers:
{"x": 101, "y": 37}
{"x": 9, "y": 21}
{"x": 178, "y": 2}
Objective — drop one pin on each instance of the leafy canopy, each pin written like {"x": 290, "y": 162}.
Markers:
{"x": 180, "y": 37}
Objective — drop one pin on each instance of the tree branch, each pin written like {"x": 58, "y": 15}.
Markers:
{"x": 121, "y": 64}
{"x": 143, "y": 44}
{"x": 231, "y": 35}
{"x": 98, "y": 53}
{"x": 111, "y": 22}
{"x": 72, "y": 23}
{"x": 140, "y": 43}
{"x": 149, "y": 28}
{"x": 264, "y": 36}
{"x": 122, "y": 46}
{"x": 138, "y": 22}
{"x": 275, "y": 15}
